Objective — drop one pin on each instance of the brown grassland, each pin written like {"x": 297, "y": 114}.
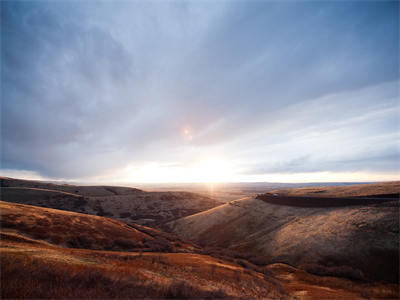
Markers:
{"x": 34, "y": 267}
{"x": 56, "y": 254}
{"x": 359, "y": 190}
{"x": 120, "y": 203}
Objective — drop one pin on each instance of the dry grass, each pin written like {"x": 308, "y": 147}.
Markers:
{"x": 48, "y": 253}
{"x": 359, "y": 237}
{"x": 120, "y": 203}
{"x": 30, "y": 278}
{"x": 68, "y": 228}
{"x": 83, "y": 231}
{"x": 52, "y": 254}
{"x": 359, "y": 190}
{"x": 307, "y": 286}
{"x": 42, "y": 271}
{"x": 69, "y": 188}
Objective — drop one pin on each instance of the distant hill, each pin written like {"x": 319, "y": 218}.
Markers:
{"x": 228, "y": 191}
{"x": 362, "y": 239}
{"x": 121, "y": 203}
{"x": 389, "y": 189}
{"x": 89, "y": 191}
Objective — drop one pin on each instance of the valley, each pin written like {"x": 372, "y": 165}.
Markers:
{"x": 199, "y": 150}
{"x": 121, "y": 203}
{"x": 58, "y": 240}
{"x": 360, "y": 239}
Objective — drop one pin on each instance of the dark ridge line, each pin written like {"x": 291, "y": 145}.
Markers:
{"x": 318, "y": 202}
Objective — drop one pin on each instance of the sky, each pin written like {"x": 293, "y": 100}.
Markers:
{"x": 200, "y": 91}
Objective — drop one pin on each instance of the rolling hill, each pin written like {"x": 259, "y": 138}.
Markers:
{"x": 384, "y": 189}
{"x": 121, "y": 203}
{"x": 49, "y": 253}
{"x": 356, "y": 241}
{"x": 69, "y": 229}
{"x": 63, "y": 254}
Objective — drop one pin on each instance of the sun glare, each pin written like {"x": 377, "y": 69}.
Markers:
{"x": 213, "y": 170}
{"x": 203, "y": 170}
{"x": 187, "y": 133}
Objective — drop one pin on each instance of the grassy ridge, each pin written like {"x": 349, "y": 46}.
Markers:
{"x": 25, "y": 277}
{"x": 304, "y": 201}
{"x": 49, "y": 253}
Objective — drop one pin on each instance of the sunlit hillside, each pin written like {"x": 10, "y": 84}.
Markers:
{"x": 360, "y": 235}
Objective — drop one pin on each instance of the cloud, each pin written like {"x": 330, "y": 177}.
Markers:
{"x": 346, "y": 132}
{"x": 89, "y": 88}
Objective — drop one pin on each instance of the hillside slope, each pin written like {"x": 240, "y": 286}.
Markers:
{"x": 361, "y": 239}
{"x": 49, "y": 253}
{"x": 82, "y": 190}
{"x": 384, "y": 189}
{"x": 75, "y": 230}
{"x": 108, "y": 259}
{"x": 121, "y": 203}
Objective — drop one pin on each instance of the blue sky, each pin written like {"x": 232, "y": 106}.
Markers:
{"x": 150, "y": 91}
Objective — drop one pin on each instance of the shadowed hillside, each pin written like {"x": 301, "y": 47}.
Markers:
{"x": 82, "y": 256}
{"x": 57, "y": 254}
{"x": 69, "y": 229}
{"x": 69, "y": 188}
{"x": 121, "y": 203}
{"x": 385, "y": 189}
{"x": 359, "y": 242}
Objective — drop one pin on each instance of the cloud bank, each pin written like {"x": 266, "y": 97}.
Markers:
{"x": 101, "y": 89}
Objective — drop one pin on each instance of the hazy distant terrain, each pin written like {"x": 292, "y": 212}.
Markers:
{"x": 226, "y": 192}
{"x": 388, "y": 189}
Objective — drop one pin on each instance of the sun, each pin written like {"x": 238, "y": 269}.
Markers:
{"x": 212, "y": 170}
{"x": 203, "y": 170}
{"x": 187, "y": 133}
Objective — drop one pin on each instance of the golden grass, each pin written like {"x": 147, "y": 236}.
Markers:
{"x": 357, "y": 190}
{"x": 307, "y": 286}
{"x": 48, "y": 253}
{"x": 34, "y": 265}
{"x": 45, "y": 271}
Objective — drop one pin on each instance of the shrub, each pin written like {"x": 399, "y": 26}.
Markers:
{"x": 42, "y": 222}
{"x": 80, "y": 202}
{"x": 7, "y": 223}
{"x": 246, "y": 264}
{"x": 126, "y": 244}
{"x": 265, "y": 271}
{"x": 337, "y": 271}
{"x": 178, "y": 244}
{"x": 56, "y": 239}
{"x": 39, "y": 233}
{"x": 158, "y": 244}
{"x": 260, "y": 260}
{"x": 125, "y": 215}
{"x": 79, "y": 242}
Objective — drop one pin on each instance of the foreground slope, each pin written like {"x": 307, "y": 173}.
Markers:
{"x": 69, "y": 229}
{"x": 359, "y": 242}
{"x": 68, "y": 260}
{"x": 36, "y": 263}
{"x": 121, "y": 203}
